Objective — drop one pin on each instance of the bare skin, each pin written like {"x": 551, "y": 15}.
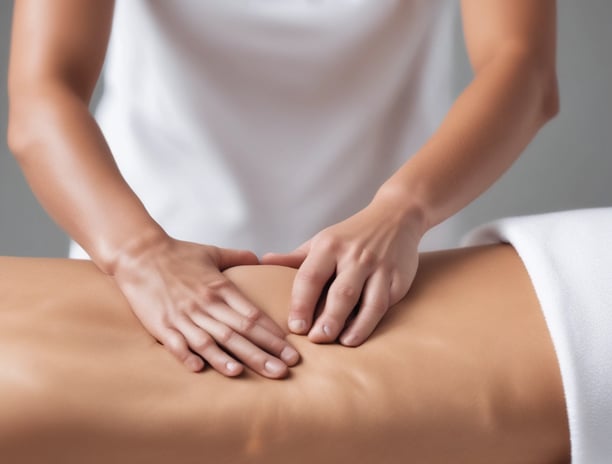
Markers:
{"x": 57, "y": 51}
{"x": 462, "y": 370}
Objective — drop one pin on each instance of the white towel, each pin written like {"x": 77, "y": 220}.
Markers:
{"x": 568, "y": 256}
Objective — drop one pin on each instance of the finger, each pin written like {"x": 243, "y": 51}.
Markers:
{"x": 400, "y": 284}
{"x": 243, "y": 306}
{"x": 293, "y": 259}
{"x": 245, "y": 351}
{"x": 318, "y": 267}
{"x": 203, "y": 344}
{"x": 341, "y": 299}
{"x": 228, "y": 257}
{"x": 176, "y": 344}
{"x": 250, "y": 330}
{"x": 374, "y": 305}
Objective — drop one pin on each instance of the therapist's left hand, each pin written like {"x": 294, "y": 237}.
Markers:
{"x": 369, "y": 261}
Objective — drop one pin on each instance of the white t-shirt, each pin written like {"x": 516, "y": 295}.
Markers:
{"x": 257, "y": 123}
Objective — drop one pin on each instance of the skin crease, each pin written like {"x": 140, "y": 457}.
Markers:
{"x": 176, "y": 288}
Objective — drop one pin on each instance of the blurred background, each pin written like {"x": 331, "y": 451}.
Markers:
{"x": 567, "y": 166}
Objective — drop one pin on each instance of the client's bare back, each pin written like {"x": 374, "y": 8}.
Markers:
{"x": 462, "y": 370}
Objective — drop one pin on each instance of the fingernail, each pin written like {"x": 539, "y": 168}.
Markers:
{"x": 232, "y": 366}
{"x": 274, "y": 366}
{"x": 326, "y": 330}
{"x": 297, "y": 325}
{"x": 289, "y": 355}
{"x": 350, "y": 340}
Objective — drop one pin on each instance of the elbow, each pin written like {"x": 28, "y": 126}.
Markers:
{"x": 32, "y": 118}
{"x": 35, "y": 118}
{"x": 14, "y": 134}
{"x": 20, "y": 133}
{"x": 16, "y": 142}
{"x": 550, "y": 104}
{"x": 21, "y": 106}
{"x": 537, "y": 75}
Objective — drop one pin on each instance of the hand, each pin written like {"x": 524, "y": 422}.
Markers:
{"x": 177, "y": 291}
{"x": 371, "y": 259}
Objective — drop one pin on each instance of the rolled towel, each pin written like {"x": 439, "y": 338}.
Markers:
{"x": 568, "y": 256}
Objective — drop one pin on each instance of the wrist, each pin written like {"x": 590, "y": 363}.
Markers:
{"x": 134, "y": 248}
{"x": 405, "y": 205}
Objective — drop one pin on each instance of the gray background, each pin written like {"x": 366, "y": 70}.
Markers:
{"x": 568, "y": 165}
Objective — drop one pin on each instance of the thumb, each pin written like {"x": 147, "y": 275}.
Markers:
{"x": 228, "y": 257}
{"x": 293, "y": 259}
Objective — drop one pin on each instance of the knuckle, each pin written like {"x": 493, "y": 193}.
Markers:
{"x": 310, "y": 276}
{"x": 378, "y": 307}
{"x": 258, "y": 360}
{"x": 208, "y": 294}
{"x": 171, "y": 317}
{"x": 218, "y": 285}
{"x": 254, "y": 315}
{"x": 328, "y": 242}
{"x": 247, "y": 324}
{"x": 277, "y": 346}
{"x": 345, "y": 292}
{"x": 387, "y": 267}
{"x": 399, "y": 289}
{"x": 300, "y": 309}
{"x": 201, "y": 344}
{"x": 175, "y": 345}
{"x": 191, "y": 307}
{"x": 211, "y": 291}
{"x": 226, "y": 335}
{"x": 368, "y": 259}
{"x": 165, "y": 320}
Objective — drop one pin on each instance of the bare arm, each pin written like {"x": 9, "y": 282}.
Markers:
{"x": 372, "y": 256}
{"x": 175, "y": 288}
{"x": 57, "y": 52}
{"x": 511, "y": 46}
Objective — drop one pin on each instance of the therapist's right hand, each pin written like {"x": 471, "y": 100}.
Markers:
{"x": 178, "y": 292}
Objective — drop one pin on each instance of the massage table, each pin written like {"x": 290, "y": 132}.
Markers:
{"x": 461, "y": 371}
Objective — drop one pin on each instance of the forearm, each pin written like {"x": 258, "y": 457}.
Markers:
{"x": 70, "y": 169}
{"x": 482, "y": 135}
